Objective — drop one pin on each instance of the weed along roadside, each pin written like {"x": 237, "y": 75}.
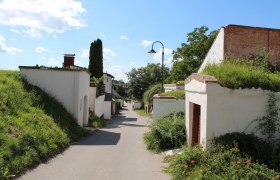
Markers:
{"x": 34, "y": 126}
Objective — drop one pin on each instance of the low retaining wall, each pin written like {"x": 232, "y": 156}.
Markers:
{"x": 165, "y": 105}
{"x": 99, "y": 105}
{"x": 136, "y": 104}
{"x": 92, "y": 98}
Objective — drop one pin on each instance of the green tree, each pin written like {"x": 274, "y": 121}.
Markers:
{"x": 120, "y": 88}
{"x": 188, "y": 58}
{"x": 141, "y": 79}
{"x": 96, "y": 59}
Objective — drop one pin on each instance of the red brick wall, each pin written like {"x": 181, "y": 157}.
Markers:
{"x": 242, "y": 41}
{"x": 68, "y": 61}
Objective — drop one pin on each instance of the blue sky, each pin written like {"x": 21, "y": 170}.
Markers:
{"x": 41, "y": 31}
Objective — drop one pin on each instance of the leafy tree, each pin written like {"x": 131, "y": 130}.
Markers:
{"x": 120, "y": 88}
{"x": 188, "y": 58}
{"x": 142, "y": 78}
{"x": 148, "y": 95}
{"x": 96, "y": 59}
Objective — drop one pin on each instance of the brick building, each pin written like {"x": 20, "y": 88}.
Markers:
{"x": 244, "y": 41}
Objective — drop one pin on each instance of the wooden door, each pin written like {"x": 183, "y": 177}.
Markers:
{"x": 196, "y": 125}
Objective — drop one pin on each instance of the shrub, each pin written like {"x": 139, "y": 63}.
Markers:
{"x": 128, "y": 99}
{"x": 250, "y": 145}
{"x": 95, "y": 121}
{"x": 118, "y": 106}
{"x": 180, "y": 83}
{"x": 148, "y": 95}
{"x": 216, "y": 163}
{"x": 179, "y": 94}
{"x": 243, "y": 76}
{"x": 166, "y": 133}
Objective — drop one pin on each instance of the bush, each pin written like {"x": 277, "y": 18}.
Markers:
{"x": 250, "y": 145}
{"x": 166, "y": 133}
{"x": 128, "y": 99}
{"x": 216, "y": 163}
{"x": 118, "y": 106}
{"x": 95, "y": 121}
{"x": 148, "y": 95}
{"x": 179, "y": 94}
{"x": 236, "y": 76}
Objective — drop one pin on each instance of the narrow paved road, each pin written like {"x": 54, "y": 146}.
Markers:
{"x": 116, "y": 152}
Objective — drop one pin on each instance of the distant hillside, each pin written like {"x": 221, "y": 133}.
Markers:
{"x": 33, "y": 125}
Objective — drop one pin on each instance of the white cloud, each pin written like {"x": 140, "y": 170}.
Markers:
{"x": 79, "y": 63}
{"x": 147, "y": 43}
{"x": 55, "y": 36}
{"x": 102, "y": 36}
{"x": 47, "y": 15}
{"x": 167, "y": 56}
{"x": 33, "y": 33}
{"x": 15, "y": 31}
{"x": 124, "y": 37}
{"x": 108, "y": 54}
{"x": 54, "y": 62}
{"x": 41, "y": 49}
{"x": 6, "y": 49}
{"x": 85, "y": 53}
{"x": 119, "y": 71}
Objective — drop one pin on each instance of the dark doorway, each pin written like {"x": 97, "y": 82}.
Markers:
{"x": 196, "y": 125}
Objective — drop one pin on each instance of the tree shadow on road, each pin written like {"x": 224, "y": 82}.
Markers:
{"x": 122, "y": 120}
{"x": 101, "y": 137}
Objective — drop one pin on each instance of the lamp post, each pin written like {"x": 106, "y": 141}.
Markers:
{"x": 152, "y": 52}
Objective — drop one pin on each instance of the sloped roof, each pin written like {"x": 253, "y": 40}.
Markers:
{"x": 53, "y": 68}
{"x": 201, "y": 78}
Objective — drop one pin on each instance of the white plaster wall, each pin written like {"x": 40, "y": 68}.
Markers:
{"x": 233, "y": 110}
{"x": 164, "y": 107}
{"x": 108, "y": 84}
{"x": 198, "y": 97}
{"x": 224, "y": 110}
{"x": 68, "y": 87}
{"x": 99, "y": 105}
{"x": 107, "y": 109}
{"x": 92, "y": 98}
{"x": 82, "y": 89}
{"x": 136, "y": 104}
{"x": 216, "y": 53}
{"x": 166, "y": 89}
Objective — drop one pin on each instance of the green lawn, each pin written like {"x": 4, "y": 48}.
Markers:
{"x": 141, "y": 112}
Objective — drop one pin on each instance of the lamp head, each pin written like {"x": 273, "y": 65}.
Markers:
{"x": 152, "y": 52}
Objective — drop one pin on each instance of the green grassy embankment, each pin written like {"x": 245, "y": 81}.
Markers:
{"x": 33, "y": 125}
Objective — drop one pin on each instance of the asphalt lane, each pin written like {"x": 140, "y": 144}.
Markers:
{"x": 116, "y": 152}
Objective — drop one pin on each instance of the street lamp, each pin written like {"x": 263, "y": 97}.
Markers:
{"x": 152, "y": 52}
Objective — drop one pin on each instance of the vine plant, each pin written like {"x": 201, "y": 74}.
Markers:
{"x": 269, "y": 124}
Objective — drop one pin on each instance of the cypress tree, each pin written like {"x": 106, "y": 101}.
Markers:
{"x": 96, "y": 59}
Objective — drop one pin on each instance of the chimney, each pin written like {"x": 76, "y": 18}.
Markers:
{"x": 68, "y": 60}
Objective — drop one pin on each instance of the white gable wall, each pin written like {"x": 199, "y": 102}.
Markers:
{"x": 92, "y": 98}
{"x": 216, "y": 53}
{"x": 83, "y": 96}
{"x": 196, "y": 94}
{"x": 108, "y": 83}
{"x": 68, "y": 87}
